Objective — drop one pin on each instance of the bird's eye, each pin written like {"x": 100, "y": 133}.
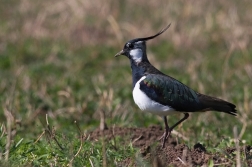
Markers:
{"x": 130, "y": 45}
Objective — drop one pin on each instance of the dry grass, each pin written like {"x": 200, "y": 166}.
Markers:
{"x": 209, "y": 45}
{"x": 93, "y": 22}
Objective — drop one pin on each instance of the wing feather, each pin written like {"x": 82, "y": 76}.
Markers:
{"x": 168, "y": 91}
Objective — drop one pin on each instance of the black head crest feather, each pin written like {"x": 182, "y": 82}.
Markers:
{"x": 151, "y": 37}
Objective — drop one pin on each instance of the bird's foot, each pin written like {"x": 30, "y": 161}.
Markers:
{"x": 164, "y": 137}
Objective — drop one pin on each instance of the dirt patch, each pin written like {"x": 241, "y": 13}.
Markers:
{"x": 174, "y": 154}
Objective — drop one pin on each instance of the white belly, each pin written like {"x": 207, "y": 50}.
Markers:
{"x": 146, "y": 104}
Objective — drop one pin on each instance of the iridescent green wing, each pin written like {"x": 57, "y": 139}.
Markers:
{"x": 168, "y": 91}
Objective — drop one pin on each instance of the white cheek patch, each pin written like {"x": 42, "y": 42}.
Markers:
{"x": 136, "y": 55}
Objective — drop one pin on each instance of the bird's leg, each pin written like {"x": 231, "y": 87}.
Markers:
{"x": 176, "y": 124}
{"x": 166, "y": 129}
{"x": 169, "y": 129}
{"x": 166, "y": 134}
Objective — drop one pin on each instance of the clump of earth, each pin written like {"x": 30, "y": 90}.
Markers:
{"x": 174, "y": 153}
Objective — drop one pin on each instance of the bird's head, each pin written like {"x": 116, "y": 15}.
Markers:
{"x": 135, "y": 49}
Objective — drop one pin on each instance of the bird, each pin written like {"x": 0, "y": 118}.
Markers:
{"x": 157, "y": 93}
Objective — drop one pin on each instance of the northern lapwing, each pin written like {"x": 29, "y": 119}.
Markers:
{"x": 160, "y": 94}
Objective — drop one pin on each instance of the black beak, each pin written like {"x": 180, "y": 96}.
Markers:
{"x": 122, "y": 52}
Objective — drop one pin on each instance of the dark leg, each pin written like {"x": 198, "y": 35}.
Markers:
{"x": 184, "y": 118}
{"x": 167, "y": 132}
{"x": 169, "y": 129}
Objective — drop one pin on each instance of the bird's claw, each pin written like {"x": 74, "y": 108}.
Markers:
{"x": 164, "y": 137}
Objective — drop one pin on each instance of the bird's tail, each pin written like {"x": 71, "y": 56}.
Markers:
{"x": 212, "y": 103}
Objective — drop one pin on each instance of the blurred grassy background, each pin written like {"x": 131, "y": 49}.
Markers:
{"x": 57, "y": 57}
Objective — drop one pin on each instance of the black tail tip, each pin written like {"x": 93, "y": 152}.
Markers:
{"x": 232, "y": 109}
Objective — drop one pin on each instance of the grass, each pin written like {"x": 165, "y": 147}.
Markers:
{"x": 59, "y": 61}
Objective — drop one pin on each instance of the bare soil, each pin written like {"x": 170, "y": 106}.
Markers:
{"x": 174, "y": 153}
